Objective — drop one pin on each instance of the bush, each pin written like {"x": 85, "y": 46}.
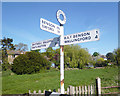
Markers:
{"x": 30, "y": 62}
{"x": 6, "y": 66}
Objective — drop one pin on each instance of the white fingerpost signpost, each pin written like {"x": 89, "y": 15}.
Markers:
{"x": 62, "y": 22}
{"x": 80, "y": 37}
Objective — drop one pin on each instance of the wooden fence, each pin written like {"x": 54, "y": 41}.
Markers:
{"x": 110, "y": 88}
{"x": 89, "y": 90}
{"x": 71, "y": 90}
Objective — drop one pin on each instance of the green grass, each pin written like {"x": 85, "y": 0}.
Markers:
{"x": 18, "y": 84}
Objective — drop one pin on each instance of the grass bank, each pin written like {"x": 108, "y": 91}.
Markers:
{"x": 19, "y": 84}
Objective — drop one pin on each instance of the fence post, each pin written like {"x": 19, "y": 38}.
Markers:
{"x": 39, "y": 91}
{"x": 85, "y": 90}
{"x": 71, "y": 90}
{"x": 59, "y": 90}
{"x": 68, "y": 91}
{"x": 88, "y": 90}
{"x": 43, "y": 91}
{"x": 79, "y": 90}
{"x": 34, "y": 92}
{"x": 76, "y": 91}
{"x": 98, "y": 86}
{"x": 29, "y": 92}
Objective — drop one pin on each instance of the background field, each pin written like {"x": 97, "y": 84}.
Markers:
{"x": 18, "y": 84}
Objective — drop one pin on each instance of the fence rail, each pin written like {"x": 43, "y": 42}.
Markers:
{"x": 111, "y": 93}
{"x": 111, "y": 87}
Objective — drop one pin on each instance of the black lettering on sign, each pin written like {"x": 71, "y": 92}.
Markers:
{"x": 96, "y": 32}
{"x": 33, "y": 47}
{"x": 88, "y": 33}
{"x": 42, "y": 21}
{"x": 73, "y": 36}
{"x": 58, "y": 28}
{"x": 96, "y": 36}
{"x": 75, "y": 39}
{"x": 89, "y": 37}
{"x": 79, "y": 35}
{"x": 67, "y": 37}
{"x": 58, "y": 31}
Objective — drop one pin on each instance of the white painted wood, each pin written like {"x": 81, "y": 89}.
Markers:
{"x": 83, "y": 90}
{"x": 76, "y": 90}
{"x": 39, "y": 91}
{"x": 34, "y": 92}
{"x": 80, "y": 90}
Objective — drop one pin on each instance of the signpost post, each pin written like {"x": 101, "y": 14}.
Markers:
{"x": 62, "y": 22}
{"x": 81, "y": 37}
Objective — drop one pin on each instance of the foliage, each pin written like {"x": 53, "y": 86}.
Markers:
{"x": 6, "y": 45}
{"x": 0, "y": 67}
{"x": 30, "y": 62}
{"x": 99, "y": 62}
{"x": 93, "y": 62}
{"x": 56, "y": 57}
{"x": 53, "y": 55}
{"x": 50, "y": 53}
{"x": 110, "y": 57}
{"x": 117, "y": 56}
{"x": 6, "y": 66}
{"x": 21, "y": 47}
{"x": 95, "y": 54}
{"x": 75, "y": 56}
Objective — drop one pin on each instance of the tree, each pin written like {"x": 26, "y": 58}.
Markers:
{"x": 50, "y": 53}
{"x": 117, "y": 56}
{"x": 6, "y": 44}
{"x": 76, "y": 56}
{"x": 30, "y": 62}
{"x": 100, "y": 62}
{"x": 110, "y": 57}
{"x": 56, "y": 58}
{"x": 21, "y": 47}
{"x": 96, "y": 54}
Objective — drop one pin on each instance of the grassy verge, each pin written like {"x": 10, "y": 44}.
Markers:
{"x": 18, "y": 84}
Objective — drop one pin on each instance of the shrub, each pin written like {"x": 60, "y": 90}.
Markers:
{"x": 5, "y": 66}
{"x": 30, "y": 62}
